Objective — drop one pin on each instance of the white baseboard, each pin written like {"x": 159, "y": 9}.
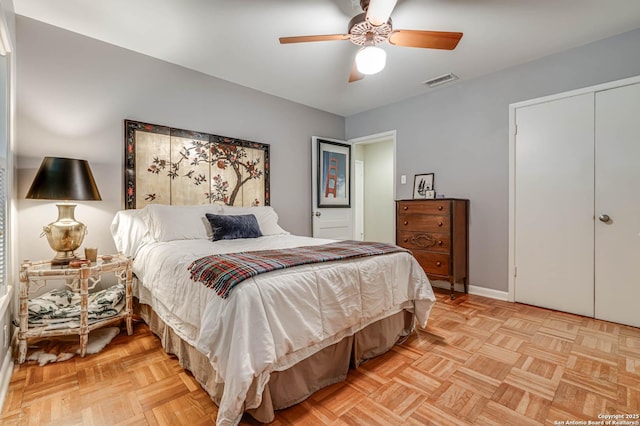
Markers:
{"x": 489, "y": 292}
{"x": 478, "y": 291}
{"x": 5, "y": 376}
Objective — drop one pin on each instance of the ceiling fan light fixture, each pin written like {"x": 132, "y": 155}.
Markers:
{"x": 379, "y": 11}
{"x": 371, "y": 60}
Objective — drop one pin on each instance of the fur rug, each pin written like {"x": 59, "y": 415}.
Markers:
{"x": 65, "y": 347}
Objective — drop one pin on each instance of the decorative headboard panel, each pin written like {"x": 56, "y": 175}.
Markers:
{"x": 164, "y": 165}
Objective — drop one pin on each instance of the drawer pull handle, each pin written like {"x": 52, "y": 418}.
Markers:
{"x": 438, "y": 263}
{"x": 406, "y": 240}
{"x": 439, "y": 242}
{"x": 440, "y": 223}
{"x": 405, "y": 208}
{"x": 406, "y": 223}
{"x": 440, "y": 207}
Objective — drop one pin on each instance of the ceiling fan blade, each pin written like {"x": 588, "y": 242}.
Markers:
{"x": 379, "y": 11}
{"x": 425, "y": 39}
{"x": 355, "y": 74}
{"x": 304, "y": 39}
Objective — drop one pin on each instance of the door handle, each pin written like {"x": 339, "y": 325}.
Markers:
{"x": 604, "y": 218}
{"x": 318, "y": 214}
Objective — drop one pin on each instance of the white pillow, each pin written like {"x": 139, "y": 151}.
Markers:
{"x": 168, "y": 223}
{"x": 266, "y": 216}
{"x": 130, "y": 231}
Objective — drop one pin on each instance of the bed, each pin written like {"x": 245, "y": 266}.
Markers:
{"x": 279, "y": 336}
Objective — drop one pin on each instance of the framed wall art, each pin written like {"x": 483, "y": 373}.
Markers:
{"x": 334, "y": 160}
{"x": 164, "y": 165}
{"x": 423, "y": 186}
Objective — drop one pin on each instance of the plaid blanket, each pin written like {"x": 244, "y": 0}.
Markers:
{"x": 222, "y": 272}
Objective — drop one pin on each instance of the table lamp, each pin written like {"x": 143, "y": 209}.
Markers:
{"x": 64, "y": 179}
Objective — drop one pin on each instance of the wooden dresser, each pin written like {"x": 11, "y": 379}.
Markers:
{"x": 437, "y": 233}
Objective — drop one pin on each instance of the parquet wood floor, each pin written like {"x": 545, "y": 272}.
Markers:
{"x": 480, "y": 361}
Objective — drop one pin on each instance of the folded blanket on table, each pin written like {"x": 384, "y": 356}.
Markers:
{"x": 222, "y": 272}
{"x": 61, "y": 307}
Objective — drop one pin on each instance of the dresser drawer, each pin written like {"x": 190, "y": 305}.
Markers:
{"x": 424, "y": 241}
{"x": 431, "y": 207}
{"x": 433, "y": 263}
{"x": 428, "y": 223}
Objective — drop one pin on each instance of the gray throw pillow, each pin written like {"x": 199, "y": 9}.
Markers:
{"x": 227, "y": 227}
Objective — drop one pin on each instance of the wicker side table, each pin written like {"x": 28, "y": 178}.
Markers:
{"x": 35, "y": 275}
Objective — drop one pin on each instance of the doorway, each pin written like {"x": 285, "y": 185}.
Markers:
{"x": 374, "y": 187}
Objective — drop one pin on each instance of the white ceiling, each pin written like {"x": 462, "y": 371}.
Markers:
{"x": 237, "y": 40}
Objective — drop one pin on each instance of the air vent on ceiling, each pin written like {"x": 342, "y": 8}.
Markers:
{"x": 441, "y": 80}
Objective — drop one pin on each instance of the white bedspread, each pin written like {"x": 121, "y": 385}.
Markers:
{"x": 272, "y": 321}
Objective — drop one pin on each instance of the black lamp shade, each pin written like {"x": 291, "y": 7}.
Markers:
{"x": 64, "y": 179}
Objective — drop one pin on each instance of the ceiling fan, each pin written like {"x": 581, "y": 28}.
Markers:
{"x": 372, "y": 27}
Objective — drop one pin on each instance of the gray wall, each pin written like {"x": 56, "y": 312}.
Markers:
{"x": 460, "y": 132}
{"x": 74, "y": 93}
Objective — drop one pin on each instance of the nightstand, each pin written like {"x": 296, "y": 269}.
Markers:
{"x": 36, "y": 275}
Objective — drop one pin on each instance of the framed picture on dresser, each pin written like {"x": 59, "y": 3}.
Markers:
{"x": 423, "y": 186}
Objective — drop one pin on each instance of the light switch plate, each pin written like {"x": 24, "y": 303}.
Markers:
{"x": 403, "y": 179}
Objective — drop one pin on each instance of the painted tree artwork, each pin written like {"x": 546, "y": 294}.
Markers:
{"x": 172, "y": 166}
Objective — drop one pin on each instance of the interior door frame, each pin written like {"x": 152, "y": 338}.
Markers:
{"x": 512, "y": 161}
{"x": 358, "y": 200}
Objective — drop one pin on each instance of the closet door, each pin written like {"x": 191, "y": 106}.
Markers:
{"x": 617, "y": 189}
{"x": 554, "y": 183}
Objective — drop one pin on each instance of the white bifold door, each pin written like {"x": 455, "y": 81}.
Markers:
{"x": 554, "y": 205}
{"x": 617, "y": 189}
{"x": 576, "y": 203}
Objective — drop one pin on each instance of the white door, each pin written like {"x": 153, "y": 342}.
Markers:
{"x": 331, "y": 186}
{"x": 554, "y": 233}
{"x": 617, "y": 240}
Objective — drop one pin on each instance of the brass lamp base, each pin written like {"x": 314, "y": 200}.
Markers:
{"x": 65, "y": 235}
{"x": 63, "y": 258}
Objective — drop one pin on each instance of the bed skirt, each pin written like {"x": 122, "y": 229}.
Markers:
{"x": 289, "y": 387}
